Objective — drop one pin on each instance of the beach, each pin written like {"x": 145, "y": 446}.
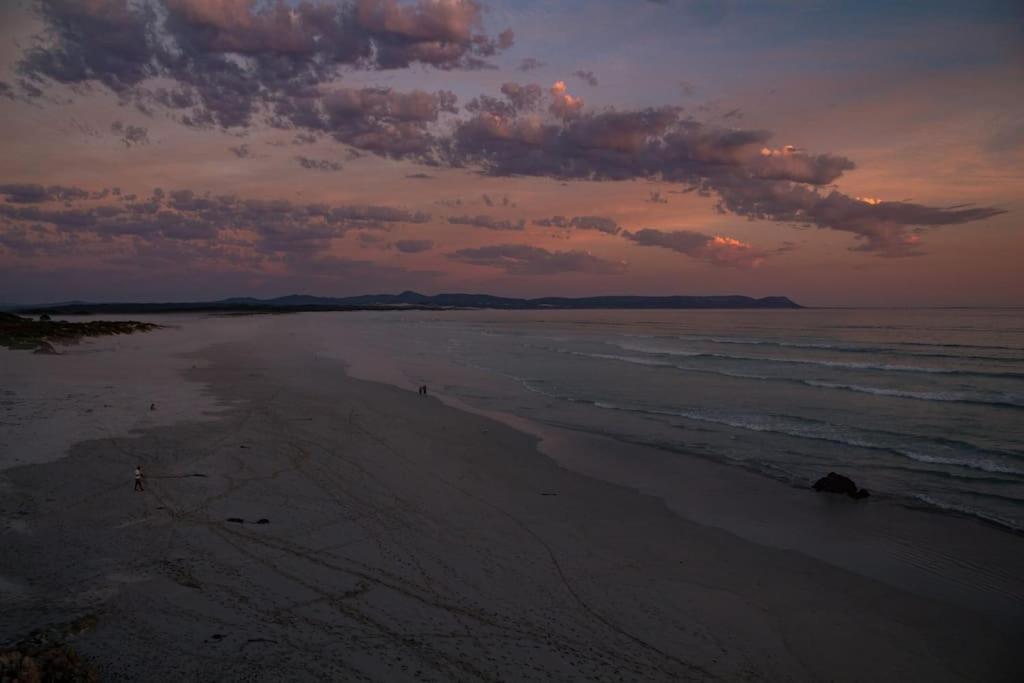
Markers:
{"x": 300, "y": 523}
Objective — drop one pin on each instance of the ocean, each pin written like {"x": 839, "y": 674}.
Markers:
{"x": 924, "y": 407}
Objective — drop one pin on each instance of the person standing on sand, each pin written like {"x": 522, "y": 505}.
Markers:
{"x": 138, "y": 478}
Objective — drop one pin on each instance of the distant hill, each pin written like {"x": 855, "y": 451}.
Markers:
{"x": 414, "y": 300}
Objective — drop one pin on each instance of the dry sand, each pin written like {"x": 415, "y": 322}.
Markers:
{"x": 409, "y": 540}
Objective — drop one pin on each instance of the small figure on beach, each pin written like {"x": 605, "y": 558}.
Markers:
{"x": 152, "y": 406}
{"x": 138, "y": 478}
{"x": 423, "y": 390}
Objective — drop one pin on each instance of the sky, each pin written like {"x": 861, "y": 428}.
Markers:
{"x": 840, "y": 153}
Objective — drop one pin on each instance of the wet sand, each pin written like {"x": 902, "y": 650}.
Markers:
{"x": 409, "y": 540}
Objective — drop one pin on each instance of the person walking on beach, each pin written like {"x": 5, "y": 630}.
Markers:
{"x": 138, "y": 478}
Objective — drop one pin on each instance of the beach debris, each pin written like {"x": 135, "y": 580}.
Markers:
{"x": 837, "y": 483}
{"x": 236, "y": 520}
{"x": 263, "y": 520}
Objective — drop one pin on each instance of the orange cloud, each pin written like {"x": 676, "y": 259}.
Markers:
{"x": 564, "y": 105}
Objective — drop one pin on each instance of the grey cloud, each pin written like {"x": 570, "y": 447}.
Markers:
{"x": 718, "y": 251}
{"x": 522, "y": 259}
{"x": 318, "y": 164}
{"x": 129, "y": 134}
{"x": 655, "y": 143}
{"x": 656, "y": 198}
{"x": 30, "y": 90}
{"x": 599, "y": 223}
{"x": 275, "y": 225}
{"x": 372, "y": 239}
{"x": 231, "y": 59}
{"x": 104, "y": 41}
{"x": 438, "y": 34}
{"x": 553, "y": 222}
{"x": 34, "y": 241}
{"x": 375, "y": 214}
{"x": 522, "y": 97}
{"x": 888, "y": 228}
{"x": 495, "y": 201}
{"x": 587, "y": 77}
{"x": 241, "y": 151}
{"x": 31, "y": 193}
{"x": 518, "y": 98}
{"x": 378, "y": 120}
{"x": 529, "y": 64}
{"x": 488, "y": 222}
{"x": 413, "y": 246}
{"x": 750, "y": 178}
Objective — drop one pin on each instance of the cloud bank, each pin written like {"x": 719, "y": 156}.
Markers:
{"x": 716, "y": 250}
{"x": 241, "y": 63}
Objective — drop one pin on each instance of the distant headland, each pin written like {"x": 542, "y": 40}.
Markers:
{"x": 415, "y": 301}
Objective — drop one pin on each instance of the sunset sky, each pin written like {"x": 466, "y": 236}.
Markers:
{"x": 839, "y": 153}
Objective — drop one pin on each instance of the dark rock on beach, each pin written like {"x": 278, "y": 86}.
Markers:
{"x": 837, "y": 483}
{"x": 17, "y": 332}
{"x": 44, "y": 656}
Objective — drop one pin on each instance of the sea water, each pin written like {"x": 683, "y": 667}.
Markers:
{"x": 922, "y": 406}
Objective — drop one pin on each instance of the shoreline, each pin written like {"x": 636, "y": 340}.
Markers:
{"x": 435, "y": 497}
{"x": 788, "y": 527}
{"x": 869, "y": 537}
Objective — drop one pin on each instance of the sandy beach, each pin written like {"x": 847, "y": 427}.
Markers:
{"x": 302, "y": 524}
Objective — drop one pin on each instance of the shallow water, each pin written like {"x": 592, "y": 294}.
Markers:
{"x": 924, "y": 406}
